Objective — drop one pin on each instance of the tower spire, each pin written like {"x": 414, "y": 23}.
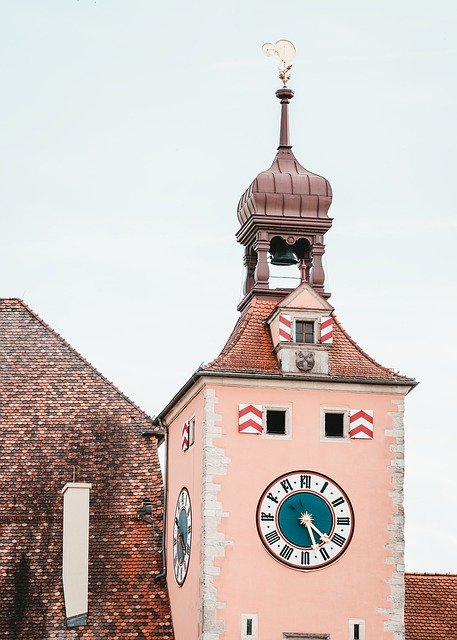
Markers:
{"x": 284, "y": 212}
{"x": 285, "y": 95}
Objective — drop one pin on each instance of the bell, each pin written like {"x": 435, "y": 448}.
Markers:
{"x": 284, "y": 256}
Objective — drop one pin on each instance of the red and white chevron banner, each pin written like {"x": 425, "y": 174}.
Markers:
{"x": 185, "y": 436}
{"x": 326, "y": 330}
{"x": 285, "y": 327}
{"x": 250, "y": 418}
{"x": 361, "y": 423}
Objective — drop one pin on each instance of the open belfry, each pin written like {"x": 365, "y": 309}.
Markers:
{"x": 285, "y": 453}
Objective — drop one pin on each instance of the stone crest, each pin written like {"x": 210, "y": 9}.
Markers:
{"x": 304, "y": 360}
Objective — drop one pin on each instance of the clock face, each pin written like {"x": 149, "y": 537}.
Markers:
{"x": 305, "y": 520}
{"x": 182, "y": 535}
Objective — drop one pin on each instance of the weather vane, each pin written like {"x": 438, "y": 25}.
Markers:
{"x": 285, "y": 51}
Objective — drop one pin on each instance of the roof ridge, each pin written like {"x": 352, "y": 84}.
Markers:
{"x": 147, "y": 417}
{"x": 430, "y": 574}
{"x": 365, "y": 354}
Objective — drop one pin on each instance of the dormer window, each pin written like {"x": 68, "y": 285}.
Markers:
{"x": 304, "y": 331}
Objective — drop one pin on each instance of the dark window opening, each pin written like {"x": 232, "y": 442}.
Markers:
{"x": 334, "y": 425}
{"x": 276, "y": 422}
{"x": 356, "y": 632}
{"x": 249, "y": 627}
{"x": 304, "y": 331}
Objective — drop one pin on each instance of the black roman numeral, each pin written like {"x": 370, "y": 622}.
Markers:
{"x": 324, "y": 553}
{"x": 305, "y": 557}
{"x": 343, "y": 521}
{"x": 339, "y": 540}
{"x": 286, "y": 485}
{"x": 337, "y": 502}
{"x": 286, "y": 552}
{"x": 266, "y": 517}
{"x": 272, "y": 537}
{"x": 189, "y": 529}
{"x": 305, "y": 481}
{"x": 270, "y": 496}
{"x": 324, "y": 486}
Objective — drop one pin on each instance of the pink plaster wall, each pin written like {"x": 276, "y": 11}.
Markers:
{"x": 185, "y": 468}
{"x": 251, "y": 581}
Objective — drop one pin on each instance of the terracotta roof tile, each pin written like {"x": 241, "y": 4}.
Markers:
{"x": 431, "y": 606}
{"x": 249, "y": 349}
{"x": 58, "y": 412}
{"x": 347, "y": 359}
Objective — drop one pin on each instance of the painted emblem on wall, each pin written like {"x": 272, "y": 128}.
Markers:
{"x": 305, "y": 520}
{"x": 304, "y": 360}
{"x": 182, "y": 536}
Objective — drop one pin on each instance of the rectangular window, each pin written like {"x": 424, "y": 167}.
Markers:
{"x": 191, "y": 431}
{"x": 276, "y": 422}
{"x": 334, "y": 425}
{"x": 356, "y": 629}
{"x": 304, "y": 331}
{"x": 249, "y": 626}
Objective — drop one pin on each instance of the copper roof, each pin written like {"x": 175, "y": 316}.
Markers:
{"x": 249, "y": 349}
{"x": 59, "y": 413}
{"x": 431, "y": 606}
{"x": 286, "y": 190}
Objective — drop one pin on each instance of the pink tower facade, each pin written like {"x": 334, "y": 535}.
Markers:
{"x": 284, "y": 513}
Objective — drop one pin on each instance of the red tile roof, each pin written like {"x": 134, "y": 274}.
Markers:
{"x": 431, "y": 606}
{"x": 58, "y": 413}
{"x": 249, "y": 349}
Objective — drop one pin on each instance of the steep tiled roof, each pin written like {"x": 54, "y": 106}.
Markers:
{"x": 59, "y": 414}
{"x": 431, "y": 606}
{"x": 347, "y": 359}
{"x": 249, "y": 349}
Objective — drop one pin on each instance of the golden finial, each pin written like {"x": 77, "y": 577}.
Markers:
{"x": 285, "y": 51}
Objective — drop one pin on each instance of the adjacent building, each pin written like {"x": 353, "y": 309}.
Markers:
{"x": 68, "y": 436}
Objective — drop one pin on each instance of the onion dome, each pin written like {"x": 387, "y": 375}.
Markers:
{"x": 286, "y": 189}
{"x": 284, "y": 215}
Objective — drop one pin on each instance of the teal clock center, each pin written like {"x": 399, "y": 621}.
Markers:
{"x": 304, "y": 518}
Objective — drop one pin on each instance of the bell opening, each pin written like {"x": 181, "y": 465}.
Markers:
{"x": 281, "y": 253}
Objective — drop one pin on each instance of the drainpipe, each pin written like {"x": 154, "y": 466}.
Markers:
{"x": 163, "y": 573}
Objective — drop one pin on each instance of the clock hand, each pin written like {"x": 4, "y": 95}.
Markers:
{"x": 323, "y": 536}
{"x": 294, "y": 508}
{"x": 314, "y": 546}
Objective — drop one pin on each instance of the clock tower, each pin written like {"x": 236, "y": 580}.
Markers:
{"x": 284, "y": 510}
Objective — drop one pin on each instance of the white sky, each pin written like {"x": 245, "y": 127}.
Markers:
{"x": 131, "y": 128}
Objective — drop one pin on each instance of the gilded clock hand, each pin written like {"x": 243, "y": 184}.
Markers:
{"x": 314, "y": 546}
{"x": 323, "y": 536}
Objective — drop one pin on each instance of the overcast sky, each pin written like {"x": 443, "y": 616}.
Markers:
{"x": 131, "y": 127}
